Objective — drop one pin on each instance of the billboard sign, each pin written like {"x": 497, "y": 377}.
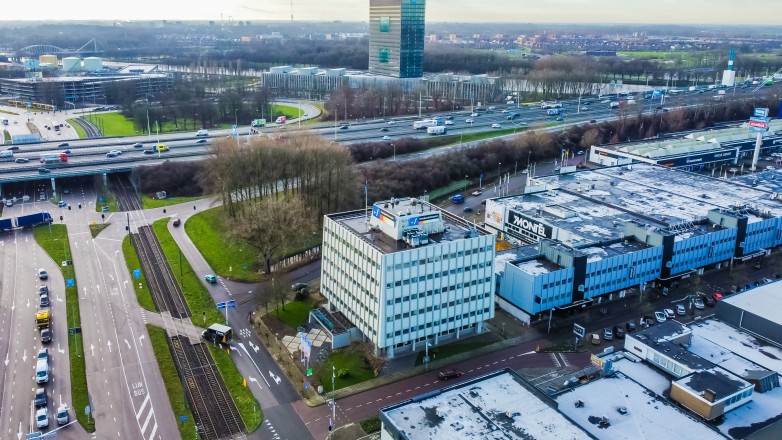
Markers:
{"x": 495, "y": 215}
{"x": 758, "y": 124}
{"x": 698, "y": 159}
{"x": 529, "y": 225}
{"x": 761, "y": 113}
{"x": 422, "y": 219}
{"x": 383, "y": 216}
{"x": 579, "y": 330}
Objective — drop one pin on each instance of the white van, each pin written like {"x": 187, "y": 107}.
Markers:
{"x": 6, "y": 153}
{"x": 202, "y": 133}
{"x": 42, "y": 371}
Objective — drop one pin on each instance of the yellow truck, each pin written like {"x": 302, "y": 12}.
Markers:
{"x": 43, "y": 319}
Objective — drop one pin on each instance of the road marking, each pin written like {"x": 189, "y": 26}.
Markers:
{"x": 141, "y": 408}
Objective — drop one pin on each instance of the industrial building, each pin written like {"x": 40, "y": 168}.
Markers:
{"x": 586, "y": 237}
{"x": 500, "y": 405}
{"x": 693, "y": 151}
{"x": 396, "y": 37}
{"x": 408, "y": 275}
{"x": 757, "y": 311}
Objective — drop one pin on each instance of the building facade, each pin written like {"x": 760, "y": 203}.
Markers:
{"x": 396, "y": 37}
{"x": 407, "y": 274}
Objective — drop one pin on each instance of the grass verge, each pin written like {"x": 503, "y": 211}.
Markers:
{"x": 108, "y": 200}
{"x": 245, "y": 402}
{"x": 371, "y": 426}
{"x": 472, "y": 137}
{"x": 288, "y": 111}
{"x": 198, "y": 299}
{"x": 148, "y": 202}
{"x": 140, "y": 286}
{"x": 295, "y": 313}
{"x": 449, "y": 350}
{"x": 176, "y": 394}
{"x": 6, "y": 136}
{"x": 446, "y": 190}
{"x": 80, "y": 131}
{"x": 113, "y": 124}
{"x": 350, "y": 360}
{"x": 54, "y": 240}
{"x": 95, "y": 228}
{"x": 8, "y": 113}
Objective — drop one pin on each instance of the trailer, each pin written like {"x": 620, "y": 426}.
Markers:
{"x": 32, "y": 220}
{"x": 53, "y": 157}
{"x": 6, "y": 224}
{"x": 436, "y": 130}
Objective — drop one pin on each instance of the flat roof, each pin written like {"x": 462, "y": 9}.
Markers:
{"x": 724, "y": 358}
{"x": 661, "y": 332}
{"x": 496, "y": 406}
{"x": 739, "y": 342}
{"x": 647, "y": 415}
{"x": 764, "y": 301}
{"x": 716, "y": 379}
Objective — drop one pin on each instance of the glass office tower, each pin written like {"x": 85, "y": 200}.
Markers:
{"x": 396, "y": 37}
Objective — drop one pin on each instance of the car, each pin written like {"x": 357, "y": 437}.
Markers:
{"x": 391, "y": 122}
{"x": 66, "y": 191}
{"x": 698, "y": 303}
{"x": 496, "y": 126}
{"x": 594, "y": 339}
{"x": 61, "y": 204}
{"x": 62, "y": 145}
{"x": 450, "y": 373}
{"x": 176, "y": 222}
{"x": 665, "y": 110}
{"x": 680, "y": 310}
{"x": 716, "y": 297}
{"x": 42, "y": 418}
{"x": 449, "y": 117}
{"x": 201, "y": 141}
{"x": 769, "y": 168}
{"x": 138, "y": 145}
{"x": 660, "y": 317}
{"x": 299, "y": 286}
{"x": 467, "y": 209}
{"x": 469, "y": 120}
{"x": 117, "y": 152}
{"x": 473, "y": 115}
{"x": 66, "y": 152}
{"x": 580, "y": 152}
{"x": 43, "y": 290}
{"x": 42, "y": 274}
{"x": 161, "y": 147}
{"x": 44, "y": 301}
{"x": 149, "y": 151}
{"x": 9, "y": 203}
{"x": 559, "y": 118}
{"x": 767, "y": 280}
{"x": 210, "y": 278}
{"x": 384, "y": 129}
{"x": 619, "y": 332}
{"x": 40, "y": 397}
{"x": 46, "y": 335}
{"x": 386, "y": 138}
{"x": 201, "y": 133}
{"x": 605, "y": 101}
{"x": 708, "y": 300}
{"x": 630, "y": 326}
{"x": 62, "y": 415}
{"x": 344, "y": 127}
{"x": 476, "y": 193}
{"x": 585, "y": 108}
{"x": 593, "y": 121}
{"x": 448, "y": 122}
{"x": 44, "y": 170}
{"x": 13, "y": 148}
{"x": 669, "y": 313}
{"x": 43, "y": 354}
{"x": 608, "y": 334}
{"x": 111, "y": 154}
{"x": 21, "y": 160}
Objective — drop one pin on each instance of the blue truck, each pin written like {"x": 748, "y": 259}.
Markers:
{"x": 29, "y": 221}
{"x": 6, "y": 224}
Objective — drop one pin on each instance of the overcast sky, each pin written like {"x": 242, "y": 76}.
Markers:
{"x": 521, "y": 11}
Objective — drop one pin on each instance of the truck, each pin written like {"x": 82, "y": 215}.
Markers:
{"x": 547, "y": 105}
{"x": 426, "y": 123}
{"x": 553, "y": 111}
{"x": 613, "y": 104}
{"x": 6, "y": 224}
{"x": 31, "y": 220}
{"x": 436, "y": 130}
{"x": 258, "y": 123}
{"x": 43, "y": 319}
{"x": 53, "y": 158}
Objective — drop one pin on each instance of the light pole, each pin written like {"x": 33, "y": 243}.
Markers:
{"x": 394, "y": 146}
{"x": 498, "y": 169}
{"x": 465, "y": 183}
{"x": 236, "y": 121}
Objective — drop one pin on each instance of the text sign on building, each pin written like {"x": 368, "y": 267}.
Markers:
{"x": 422, "y": 219}
{"x": 761, "y": 113}
{"x": 579, "y": 330}
{"x": 529, "y": 225}
{"x": 384, "y": 217}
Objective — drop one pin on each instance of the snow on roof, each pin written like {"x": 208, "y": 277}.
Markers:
{"x": 761, "y": 410}
{"x": 743, "y": 344}
{"x": 764, "y": 301}
{"x": 537, "y": 267}
{"x": 644, "y": 374}
{"x": 647, "y": 417}
{"x": 721, "y": 356}
{"x": 493, "y": 407}
{"x": 501, "y": 259}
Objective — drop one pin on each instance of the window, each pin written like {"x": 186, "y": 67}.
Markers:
{"x": 383, "y": 55}
{"x": 385, "y": 24}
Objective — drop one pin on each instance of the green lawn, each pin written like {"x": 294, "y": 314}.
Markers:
{"x": 76, "y": 126}
{"x": 176, "y": 394}
{"x": 371, "y": 425}
{"x": 354, "y": 362}
{"x": 286, "y": 110}
{"x": 113, "y": 124}
{"x": 248, "y": 407}
{"x": 497, "y": 132}
{"x": 143, "y": 296}
{"x": 6, "y": 136}
{"x": 295, "y": 313}
{"x": 201, "y": 305}
{"x": 108, "y": 200}
{"x": 148, "y": 202}
{"x": 449, "y": 350}
{"x": 96, "y": 228}
{"x": 457, "y": 186}
{"x": 54, "y": 240}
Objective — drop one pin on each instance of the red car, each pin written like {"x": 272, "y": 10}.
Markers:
{"x": 716, "y": 297}
{"x": 449, "y": 374}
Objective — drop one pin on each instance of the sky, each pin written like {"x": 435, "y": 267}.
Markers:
{"x": 520, "y": 11}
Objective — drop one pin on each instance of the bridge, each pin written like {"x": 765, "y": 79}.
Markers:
{"x": 90, "y": 48}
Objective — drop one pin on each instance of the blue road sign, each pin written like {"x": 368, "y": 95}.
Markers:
{"x": 481, "y": 175}
{"x": 70, "y": 282}
{"x": 761, "y": 112}
{"x": 137, "y": 273}
{"x": 230, "y": 304}
{"x": 182, "y": 418}
{"x": 101, "y": 199}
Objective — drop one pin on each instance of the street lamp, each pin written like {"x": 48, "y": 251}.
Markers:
{"x": 498, "y": 169}
{"x": 236, "y": 120}
{"x": 394, "y": 146}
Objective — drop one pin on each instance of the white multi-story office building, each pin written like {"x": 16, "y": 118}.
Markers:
{"x": 406, "y": 274}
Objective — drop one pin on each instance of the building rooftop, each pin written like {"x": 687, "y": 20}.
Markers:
{"x": 538, "y": 266}
{"x": 597, "y": 253}
{"x": 663, "y": 331}
{"x": 391, "y": 226}
{"x": 714, "y": 380}
{"x": 736, "y": 341}
{"x": 497, "y": 406}
{"x": 764, "y": 301}
{"x": 726, "y": 359}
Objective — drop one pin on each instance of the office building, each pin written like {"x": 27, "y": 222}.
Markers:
{"x": 396, "y": 38}
{"x": 406, "y": 274}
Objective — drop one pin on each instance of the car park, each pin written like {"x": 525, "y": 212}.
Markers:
{"x": 630, "y": 326}
{"x": 680, "y": 310}
{"x": 608, "y": 334}
{"x": 21, "y": 160}
{"x": 210, "y": 278}
{"x": 698, "y": 303}
{"x": 450, "y": 373}
{"x": 660, "y": 317}
{"x": 42, "y": 418}
{"x": 42, "y": 274}
{"x": 619, "y": 332}
{"x": 46, "y": 335}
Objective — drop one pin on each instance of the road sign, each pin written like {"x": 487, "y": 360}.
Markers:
{"x": 230, "y": 304}
{"x": 579, "y": 330}
{"x": 74, "y": 330}
{"x": 309, "y": 372}
{"x": 758, "y": 124}
{"x": 761, "y": 113}
{"x": 87, "y": 410}
{"x": 182, "y": 418}
{"x": 70, "y": 282}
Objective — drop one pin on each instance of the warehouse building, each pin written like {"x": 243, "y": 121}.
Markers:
{"x": 588, "y": 236}
{"x": 757, "y": 311}
{"x": 407, "y": 274}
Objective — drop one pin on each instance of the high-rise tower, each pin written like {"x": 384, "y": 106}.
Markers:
{"x": 396, "y": 37}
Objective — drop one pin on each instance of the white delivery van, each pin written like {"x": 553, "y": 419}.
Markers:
{"x": 6, "y": 153}
{"x": 202, "y": 133}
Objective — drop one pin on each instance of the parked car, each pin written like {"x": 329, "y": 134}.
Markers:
{"x": 630, "y": 326}
{"x": 669, "y": 313}
{"x": 708, "y": 300}
{"x": 716, "y": 296}
{"x": 210, "y": 278}
{"x": 594, "y": 339}
{"x": 698, "y": 303}
{"x": 660, "y": 317}
{"x": 619, "y": 332}
{"x": 299, "y": 286}
{"x": 450, "y": 373}
{"x": 608, "y": 334}
{"x": 680, "y": 310}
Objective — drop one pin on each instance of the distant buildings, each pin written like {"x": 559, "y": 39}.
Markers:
{"x": 396, "y": 37}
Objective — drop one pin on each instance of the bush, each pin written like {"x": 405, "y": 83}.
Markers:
{"x": 343, "y": 373}
{"x": 180, "y": 179}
